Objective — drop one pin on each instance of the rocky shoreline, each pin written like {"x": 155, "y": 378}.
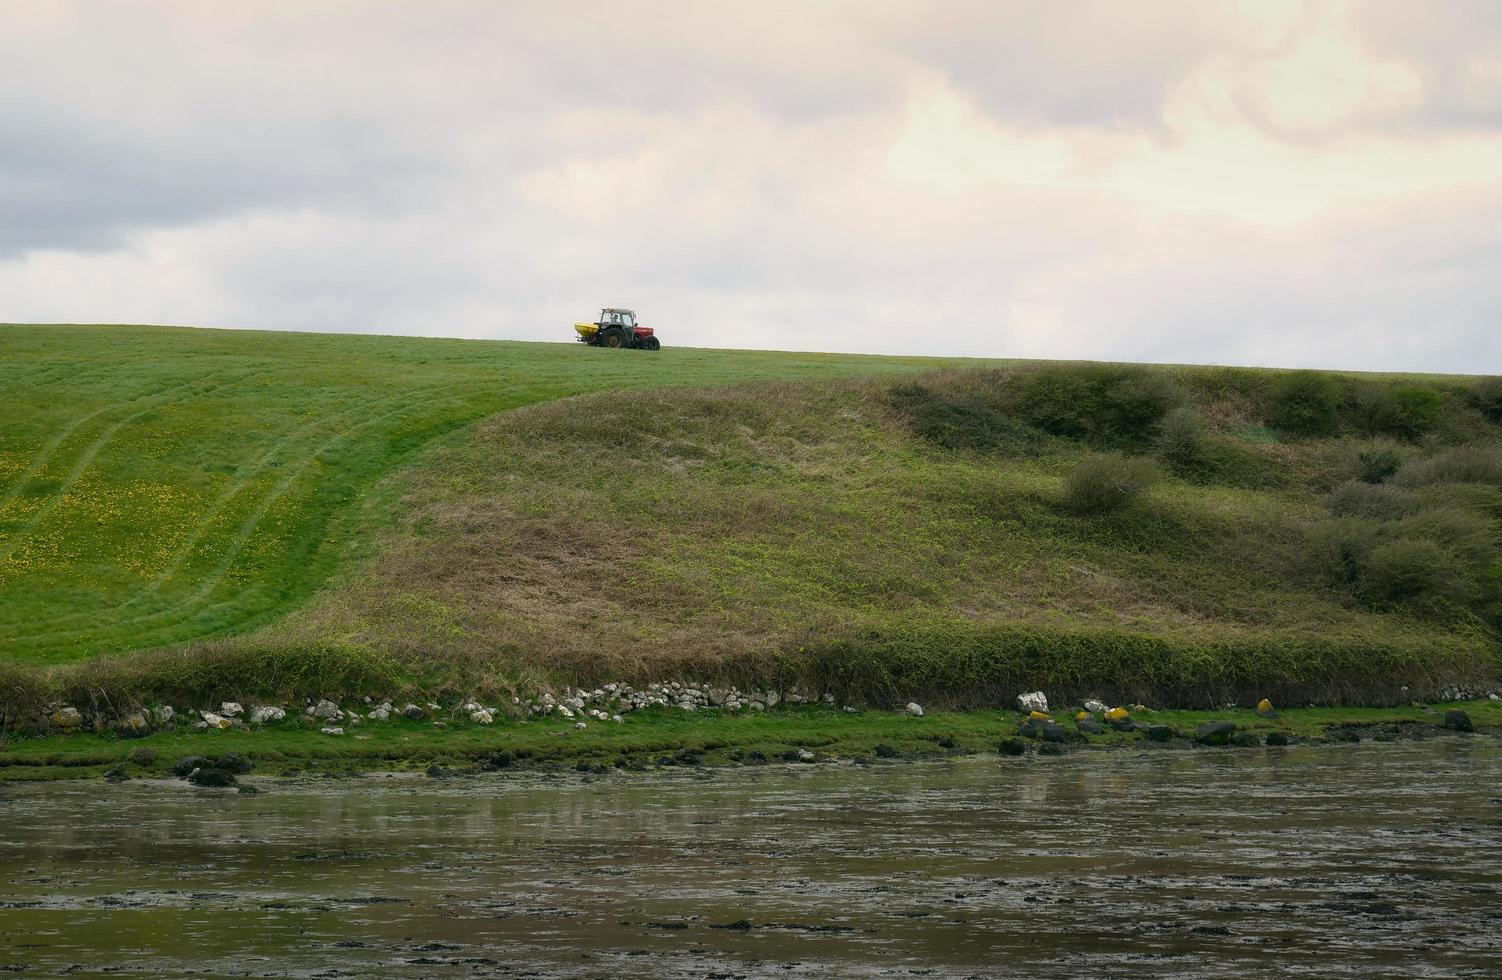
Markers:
{"x": 621, "y": 727}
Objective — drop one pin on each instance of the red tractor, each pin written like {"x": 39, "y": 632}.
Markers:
{"x": 617, "y": 328}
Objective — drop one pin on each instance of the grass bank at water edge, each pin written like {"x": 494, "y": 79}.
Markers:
{"x": 668, "y": 738}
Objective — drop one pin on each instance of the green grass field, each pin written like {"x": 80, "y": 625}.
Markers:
{"x": 190, "y": 515}
{"x": 160, "y": 485}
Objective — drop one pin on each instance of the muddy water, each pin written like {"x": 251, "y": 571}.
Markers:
{"x": 1377, "y": 860}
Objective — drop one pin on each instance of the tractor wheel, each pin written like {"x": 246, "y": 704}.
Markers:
{"x": 652, "y": 343}
{"x": 614, "y": 338}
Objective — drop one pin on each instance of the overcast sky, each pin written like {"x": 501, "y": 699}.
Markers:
{"x": 1258, "y": 183}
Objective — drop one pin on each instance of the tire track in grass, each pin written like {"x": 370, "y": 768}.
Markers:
{"x": 248, "y": 527}
{"x": 242, "y": 479}
{"x": 45, "y": 453}
{"x": 14, "y": 540}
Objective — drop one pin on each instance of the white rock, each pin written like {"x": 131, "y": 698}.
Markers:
{"x": 617, "y": 719}
{"x": 331, "y": 730}
{"x": 165, "y": 713}
{"x": 326, "y": 709}
{"x": 915, "y": 709}
{"x": 214, "y": 721}
{"x": 481, "y": 717}
{"x": 262, "y": 713}
{"x": 773, "y": 698}
{"x": 1096, "y": 707}
{"x": 580, "y": 725}
{"x": 828, "y": 698}
{"x": 1032, "y": 701}
{"x": 757, "y": 706}
{"x": 231, "y": 709}
{"x": 850, "y": 710}
{"x": 804, "y": 755}
{"x": 67, "y": 718}
{"x": 382, "y": 713}
{"x": 565, "y": 712}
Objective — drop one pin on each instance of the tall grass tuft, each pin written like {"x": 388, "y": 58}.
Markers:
{"x": 1463, "y": 464}
{"x": 1182, "y": 438}
{"x": 1107, "y": 482}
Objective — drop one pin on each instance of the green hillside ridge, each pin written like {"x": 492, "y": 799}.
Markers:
{"x": 314, "y": 515}
{"x": 160, "y": 485}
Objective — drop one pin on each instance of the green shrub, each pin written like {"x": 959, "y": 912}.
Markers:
{"x": 1138, "y": 402}
{"x": 1414, "y": 411}
{"x": 1413, "y": 569}
{"x": 1338, "y": 548}
{"x": 1107, "y": 483}
{"x": 1486, "y": 396}
{"x": 1471, "y": 537}
{"x": 1182, "y": 439}
{"x": 1096, "y": 401}
{"x": 1472, "y": 496}
{"x": 1306, "y": 403}
{"x": 1356, "y": 498}
{"x": 1377, "y": 464}
{"x": 1464, "y": 464}
{"x": 1370, "y": 408}
{"x": 957, "y": 422}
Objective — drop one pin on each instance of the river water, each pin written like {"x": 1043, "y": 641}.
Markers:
{"x": 1370, "y": 860}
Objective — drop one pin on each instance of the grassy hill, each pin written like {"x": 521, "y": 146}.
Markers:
{"x": 316, "y": 512}
{"x": 160, "y": 485}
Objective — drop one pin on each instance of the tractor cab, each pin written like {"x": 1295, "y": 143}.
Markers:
{"x": 617, "y": 328}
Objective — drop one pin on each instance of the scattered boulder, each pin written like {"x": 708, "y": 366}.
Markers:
{"x": 183, "y": 767}
{"x": 331, "y": 730}
{"x": 141, "y": 756}
{"x": 133, "y": 725}
{"x": 580, "y": 725}
{"x": 1277, "y": 738}
{"x": 483, "y": 717}
{"x": 804, "y": 755}
{"x": 1246, "y": 740}
{"x": 231, "y": 709}
{"x": 1215, "y": 733}
{"x": 382, "y": 713}
{"x": 1457, "y": 720}
{"x": 1032, "y": 701}
{"x": 1089, "y": 726}
{"x": 163, "y": 714}
{"x": 412, "y": 712}
{"x": 1265, "y": 709}
{"x": 1039, "y": 725}
{"x": 116, "y": 774}
{"x": 234, "y": 762}
{"x": 1011, "y": 746}
{"x": 1159, "y": 733}
{"x": 66, "y": 718}
{"x": 327, "y": 710}
{"x": 1096, "y": 707}
{"x": 1119, "y": 719}
{"x": 915, "y": 709}
{"x": 262, "y": 714}
{"x": 213, "y": 720}
{"x": 211, "y": 777}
